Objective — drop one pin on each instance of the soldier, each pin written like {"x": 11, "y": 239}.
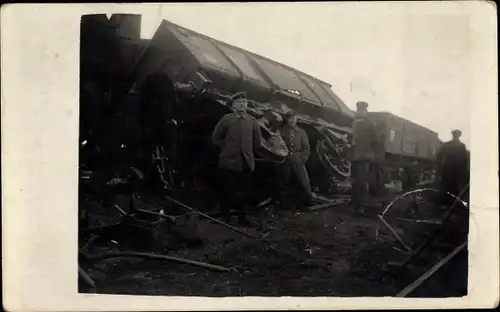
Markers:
{"x": 238, "y": 134}
{"x": 376, "y": 168}
{"x": 295, "y": 178}
{"x": 365, "y": 139}
{"x": 451, "y": 167}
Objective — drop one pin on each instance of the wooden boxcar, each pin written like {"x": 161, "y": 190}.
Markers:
{"x": 405, "y": 143}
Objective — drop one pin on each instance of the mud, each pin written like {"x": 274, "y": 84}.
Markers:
{"x": 331, "y": 252}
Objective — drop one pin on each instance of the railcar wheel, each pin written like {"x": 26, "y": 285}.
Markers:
{"x": 332, "y": 152}
{"x": 159, "y": 124}
{"x": 414, "y": 217}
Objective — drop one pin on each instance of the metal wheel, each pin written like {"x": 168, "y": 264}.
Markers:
{"x": 411, "y": 218}
{"x": 161, "y": 107}
{"x": 332, "y": 152}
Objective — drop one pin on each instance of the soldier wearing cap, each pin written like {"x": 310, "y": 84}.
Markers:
{"x": 295, "y": 179}
{"x": 238, "y": 134}
{"x": 365, "y": 139}
{"x": 452, "y": 165}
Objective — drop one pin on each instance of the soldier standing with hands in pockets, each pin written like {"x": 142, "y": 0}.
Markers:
{"x": 295, "y": 178}
{"x": 238, "y": 134}
{"x": 365, "y": 139}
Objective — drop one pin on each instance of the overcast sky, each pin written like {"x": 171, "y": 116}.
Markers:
{"x": 411, "y": 61}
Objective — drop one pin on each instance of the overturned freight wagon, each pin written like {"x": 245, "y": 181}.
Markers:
{"x": 182, "y": 82}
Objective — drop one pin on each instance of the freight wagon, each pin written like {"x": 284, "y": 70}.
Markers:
{"x": 405, "y": 143}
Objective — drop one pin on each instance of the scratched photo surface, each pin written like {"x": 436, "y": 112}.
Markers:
{"x": 216, "y": 162}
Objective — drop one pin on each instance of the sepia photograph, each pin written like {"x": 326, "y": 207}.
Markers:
{"x": 250, "y": 156}
{"x": 306, "y": 160}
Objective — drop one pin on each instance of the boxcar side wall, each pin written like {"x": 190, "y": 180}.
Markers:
{"x": 402, "y": 143}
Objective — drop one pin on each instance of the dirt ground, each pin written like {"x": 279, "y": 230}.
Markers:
{"x": 330, "y": 252}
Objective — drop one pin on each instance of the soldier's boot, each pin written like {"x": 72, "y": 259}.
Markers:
{"x": 242, "y": 215}
{"x": 308, "y": 201}
{"x": 303, "y": 206}
{"x": 359, "y": 206}
{"x": 243, "y": 220}
{"x": 282, "y": 205}
{"x": 359, "y": 210}
{"x": 227, "y": 218}
{"x": 225, "y": 212}
{"x": 356, "y": 199}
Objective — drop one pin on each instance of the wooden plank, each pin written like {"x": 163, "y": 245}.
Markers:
{"x": 178, "y": 203}
{"x": 327, "y": 205}
{"x": 85, "y": 277}
{"x": 410, "y": 288}
{"x": 400, "y": 240}
{"x": 161, "y": 257}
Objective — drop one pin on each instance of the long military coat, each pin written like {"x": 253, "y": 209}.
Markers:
{"x": 299, "y": 151}
{"x": 238, "y": 137}
{"x": 365, "y": 139}
{"x": 452, "y": 161}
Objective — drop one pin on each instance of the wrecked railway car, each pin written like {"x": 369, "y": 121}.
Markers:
{"x": 173, "y": 89}
{"x": 152, "y": 105}
{"x": 179, "y": 87}
{"x": 405, "y": 143}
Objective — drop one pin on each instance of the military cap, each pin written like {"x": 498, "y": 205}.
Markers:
{"x": 237, "y": 96}
{"x": 361, "y": 105}
{"x": 289, "y": 115}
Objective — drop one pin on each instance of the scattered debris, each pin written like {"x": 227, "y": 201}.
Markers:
{"x": 85, "y": 277}
{"x": 396, "y": 235}
{"x": 160, "y": 257}
{"x": 410, "y": 288}
{"x": 232, "y": 228}
{"x": 162, "y": 127}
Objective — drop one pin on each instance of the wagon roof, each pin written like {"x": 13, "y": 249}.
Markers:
{"x": 260, "y": 69}
{"x": 385, "y": 115}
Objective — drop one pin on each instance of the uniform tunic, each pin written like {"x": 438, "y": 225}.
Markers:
{"x": 452, "y": 168}
{"x": 365, "y": 140}
{"x": 238, "y": 137}
{"x": 299, "y": 151}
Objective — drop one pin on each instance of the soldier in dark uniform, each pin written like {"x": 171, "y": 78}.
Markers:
{"x": 365, "y": 139}
{"x": 376, "y": 168}
{"x": 238, "y": 134}
{"x": 295, "y": 179}
{"x": 451, "y": 167}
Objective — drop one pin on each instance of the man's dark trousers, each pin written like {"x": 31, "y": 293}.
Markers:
{"x": 360, "y": 172}
{"x": 236, "y": 189}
